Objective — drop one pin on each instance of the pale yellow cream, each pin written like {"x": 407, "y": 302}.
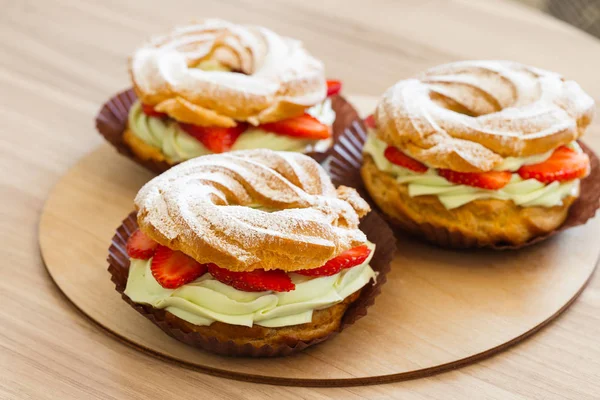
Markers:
{"x": 177, "y": 145}
{"x": 207, "y": 300}
{"x": 525, "y": 193}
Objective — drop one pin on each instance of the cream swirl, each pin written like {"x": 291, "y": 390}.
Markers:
{"x": 469, "y": 116}
{"x": 525, "y": 193}
{"x": 276, "y": 77}
{"x": 177, "y": 145}
{"x": 207, "y": 300}
{"x": 202, "y": 207}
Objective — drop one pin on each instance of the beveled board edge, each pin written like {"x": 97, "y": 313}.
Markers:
{"x": 374, "y": 380}
{"x": 338, "y": 382}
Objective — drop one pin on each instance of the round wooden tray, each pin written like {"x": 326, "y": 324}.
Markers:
{"x": 439, "y": 309}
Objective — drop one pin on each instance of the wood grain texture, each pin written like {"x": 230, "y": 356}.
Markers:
{"x": 61, "y": 59}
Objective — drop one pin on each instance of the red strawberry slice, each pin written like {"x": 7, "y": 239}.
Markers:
{"x": 347, "y": 259}
{"x": 214, "y": 138}
{"x": 172, "y": 268}
{"x": 333, "y": 87}
{"x": 140, "y": 246}
{"x": 258, "y": 280}
{"x": 151, "y": 112}
{"x": 492, "y": 180}
{"x": 564, "y": 164}
{"x": 305, "y": 126}
{"x": 370, "y": 122}
{"x": 397, "y": 157}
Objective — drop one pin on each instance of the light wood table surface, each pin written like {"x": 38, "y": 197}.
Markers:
{"x": 59, "y": 60}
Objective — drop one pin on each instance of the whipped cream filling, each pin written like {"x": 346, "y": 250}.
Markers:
{"x": 177, "y": 145}
{"x": 207, "y": 300}
{"x": 523, "y": 192}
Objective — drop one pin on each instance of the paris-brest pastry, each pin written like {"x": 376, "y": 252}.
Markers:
{"x": 215, "y": 86}
{"x": 478, "y": 153}
{"x": 252, "y": 248}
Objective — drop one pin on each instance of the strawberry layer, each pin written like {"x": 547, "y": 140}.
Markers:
{"x": 526, "y": 193}
{"x": 177, "y": 145}
{"x": 207, "y": 300}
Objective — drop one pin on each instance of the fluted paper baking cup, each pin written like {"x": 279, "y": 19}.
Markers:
{"x": 372, "y": 225}
{"x": 111, "y": 122}
{"x": 346, "y": 158}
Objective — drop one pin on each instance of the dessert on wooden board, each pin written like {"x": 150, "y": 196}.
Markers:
{"x": 251, "y": 252}
{"x": 478, "y": 153}
{"x": 215, "y": 86}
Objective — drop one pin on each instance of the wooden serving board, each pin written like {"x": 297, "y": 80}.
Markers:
{"x": 439, "y": 309}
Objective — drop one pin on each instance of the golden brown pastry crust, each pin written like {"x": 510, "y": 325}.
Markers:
{"x": 324, "y": 322}
{"x": 206, "y": 208}
{"x": 141, "y": 149}
{"x": 264, "y": 87}
{"x": 468, "y": 116}
{"x": 479, "y": 223}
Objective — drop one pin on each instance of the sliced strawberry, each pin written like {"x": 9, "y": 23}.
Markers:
{"x": 305, "y": 126}
{"x": 564, "y": 164}
{"x": 258, "y": 280}
{"x": 333, "y": 87}
{"x": 140, "y": 246}
{"x": 492, "y": 180}
{"x": 370, "y": 122}
{"x": 216, "y": 139}
{"x": 172, "y": 268}
{"x": 151, "y": 112}
{"x": 397, "y": 157}
{"x": 347, "y": 259}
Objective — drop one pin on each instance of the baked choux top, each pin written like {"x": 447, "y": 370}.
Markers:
{"x": 257, "y": 76}
{"x": 471, "y": 116}
{"x": 255, "y": 209}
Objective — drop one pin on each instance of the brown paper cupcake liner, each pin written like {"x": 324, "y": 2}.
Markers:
{"x": 111, "y": 122}
{"x": 346, "y": 158}
{"x": 372, "y": 225}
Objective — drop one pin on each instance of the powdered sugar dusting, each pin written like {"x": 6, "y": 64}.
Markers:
{"x": 207, "y": 207}
{"x": 274, "y": 69}
{"x": 469, "y": 115}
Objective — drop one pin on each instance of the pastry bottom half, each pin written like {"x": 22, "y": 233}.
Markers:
{"x": 324, "y": 322}
{"x": 480, "y": 223}
{"x": 255, "y": 341}
{"x": 149, "y": 156}
{"x": 142, "y": 149}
